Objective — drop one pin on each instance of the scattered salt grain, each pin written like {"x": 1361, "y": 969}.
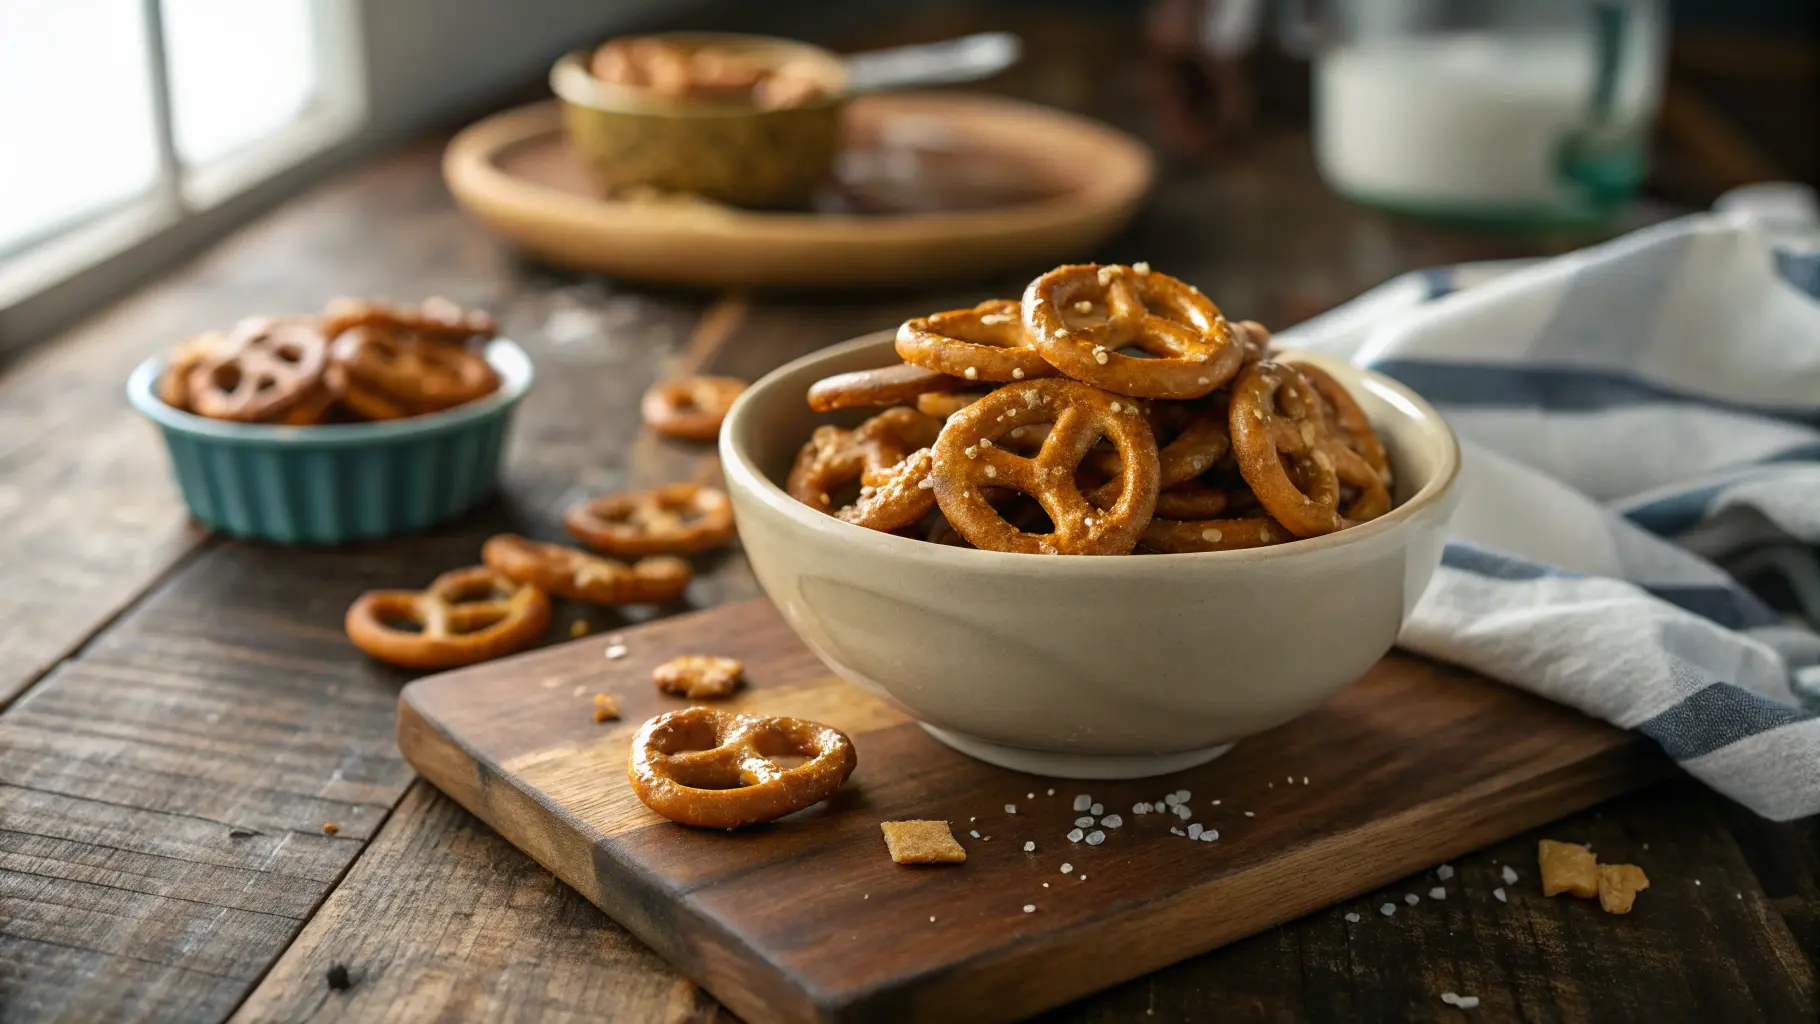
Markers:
{"x": 1182, "y": 812}
{"x": 1030, "y": 796}
{"x": 1444, "y": 872}
{"x": 1097, "y": 809}
{"x": 1467, "y": 1002}
{"x": 1248, "y": 814}
{"x": 1010, "y": 808}
{"x": 1289, "y": 779}
{"x": 1183, "y": 795}
{"x": 931, "y": 918}
{"x": 1052, "y": 792}
{"x": 578, "y": 691}
{"x": 1449, "y": 998}
{"x": 1210, "y": 835}
{"x": 1074, "y": 835}
{"x": 1352, "y": 918}
{"x": 1095, "y": 837}
{"x": 1696, "y": 881}
{"x": 1411, "y": 898}
{"x": 1067, "y": 867}
{"x": 1388, "y": 910}
{"x": 1112, "y": 821}
{"x": 1437, "y": 893}
{"x": 1304, "y": 780}
{"x": 1172, "y": 799}
{"x": 1029, "y": 908}
{"x": 1140, "y": 808}
{"x": 1509, "y": 875}
{"x": 1084, "y": 821}
{"x": 1176, "y": 831}
{"x": 1081, "y": 802}
{"x": 975, "y": 833}
{"x": 1499, "y": 893}
{"x": 1029, "y": 846}
{"x": 1194, "y": 830}
{"x": 616, "y": 652}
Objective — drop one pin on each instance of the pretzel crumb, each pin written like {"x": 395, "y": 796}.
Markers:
{"x": 578, "y": 628}
{"x": 606, "y": 706}
{"x": 330, "y": 828}
{"x": 699, "y": 676}
{"x": 922, "y": 842}
{"x": 1567, "y": 868}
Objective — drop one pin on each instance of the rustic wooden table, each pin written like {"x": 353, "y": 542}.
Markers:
{"x": 181, "y": 713}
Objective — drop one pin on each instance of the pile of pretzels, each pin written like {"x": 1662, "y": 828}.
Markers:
{"x": 356, "y": 361}
{"x": 1114, "y": 409}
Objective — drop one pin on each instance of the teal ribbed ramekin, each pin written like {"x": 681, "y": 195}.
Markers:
{"x": 337, "y": 482}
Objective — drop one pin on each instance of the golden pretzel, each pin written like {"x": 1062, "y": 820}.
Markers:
{"x": 463, "y": 617}
{"x": 1080, "y": 316}
{"x": 889, "y": 385}
{"x": 676, "y": 519}
{"x": 986, "y": 342}
{"x": 1277, "y": 415}
{"x": 260, "y": 370}
{"x": 969, "y": 460}
{"x": 692, "y": 408}
{"x": 714, "y": 769}
{"x": 579, "y": 576}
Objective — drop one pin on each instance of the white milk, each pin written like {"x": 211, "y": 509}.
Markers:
{"x": 1471, "y": 119}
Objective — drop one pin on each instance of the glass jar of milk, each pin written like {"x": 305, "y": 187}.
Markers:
{"x": 1524, "y": 112}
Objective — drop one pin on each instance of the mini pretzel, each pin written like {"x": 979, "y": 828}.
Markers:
{"x": 1276, "y": 415}
{"x": 463, "y": 617}
{"x": 692, "y": 408}
{"x": 889, "y": 385}
{"x": 262, "y": 368}
{"x": 713, "y": 769}
{"x": 414, "y": 375}
{"x": 1255, "y": 337}
{"x": 676, "y": 519}
{"x": 1177, "y": 536}
{"x": 174, "y": 383}
{"x": 967, "y": 460}
{"x": 1192, "y": 499}
{"x": 1344, "y": 413}
{"x": 986, "y": 342}
{"x": 1200, "y": 441}
{"x": 835, "y": 457}
{"x": 890, "y": 437}
{"x": 943, "y": 404}
{"x": 902, "y": 496}
{"x": 1080, "y": 316}
{"x": 577, "y": 575}
{"x": 436, "y": 319}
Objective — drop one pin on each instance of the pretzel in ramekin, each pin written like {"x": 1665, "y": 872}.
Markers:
{"x": 263, "y": 368}
{"x": 714, "y": 769}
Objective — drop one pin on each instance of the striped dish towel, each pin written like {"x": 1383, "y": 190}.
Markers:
{"x": 1641, "y": 425}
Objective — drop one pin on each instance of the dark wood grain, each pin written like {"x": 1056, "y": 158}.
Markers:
{"x": 1413, "y": 764}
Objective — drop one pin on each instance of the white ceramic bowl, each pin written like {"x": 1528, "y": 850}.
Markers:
{"x": 1088, "y": 667}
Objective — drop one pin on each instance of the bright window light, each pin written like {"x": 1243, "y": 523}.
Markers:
{"x": 241, "y": 70}
{"x": 76, "y": 132}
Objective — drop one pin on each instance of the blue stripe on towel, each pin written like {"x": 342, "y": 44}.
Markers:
{"x": 1714, "y": 717}
{"x": 1801, "y": 270}
{"x": 1731, "y": 607}
{"x": 1554, "y": 388}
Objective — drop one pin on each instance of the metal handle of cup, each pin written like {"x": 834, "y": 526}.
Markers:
{"x": 966, "y": 59}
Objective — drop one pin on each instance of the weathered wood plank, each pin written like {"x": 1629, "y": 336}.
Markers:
{"x": 163, "y": 793}
{"x": 445, "y": 918}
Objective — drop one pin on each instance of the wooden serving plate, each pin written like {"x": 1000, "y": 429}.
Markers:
{"x": 930, "y": 186}
{"x": 807, "y": 918}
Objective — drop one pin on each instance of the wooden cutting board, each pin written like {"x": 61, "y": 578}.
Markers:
{"x": 808, "y": 919}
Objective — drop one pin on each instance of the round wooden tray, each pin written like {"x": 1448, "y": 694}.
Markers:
{"x": 931, "y": 186}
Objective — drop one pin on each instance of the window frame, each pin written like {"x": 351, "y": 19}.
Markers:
{"x": 79, "y": 266}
